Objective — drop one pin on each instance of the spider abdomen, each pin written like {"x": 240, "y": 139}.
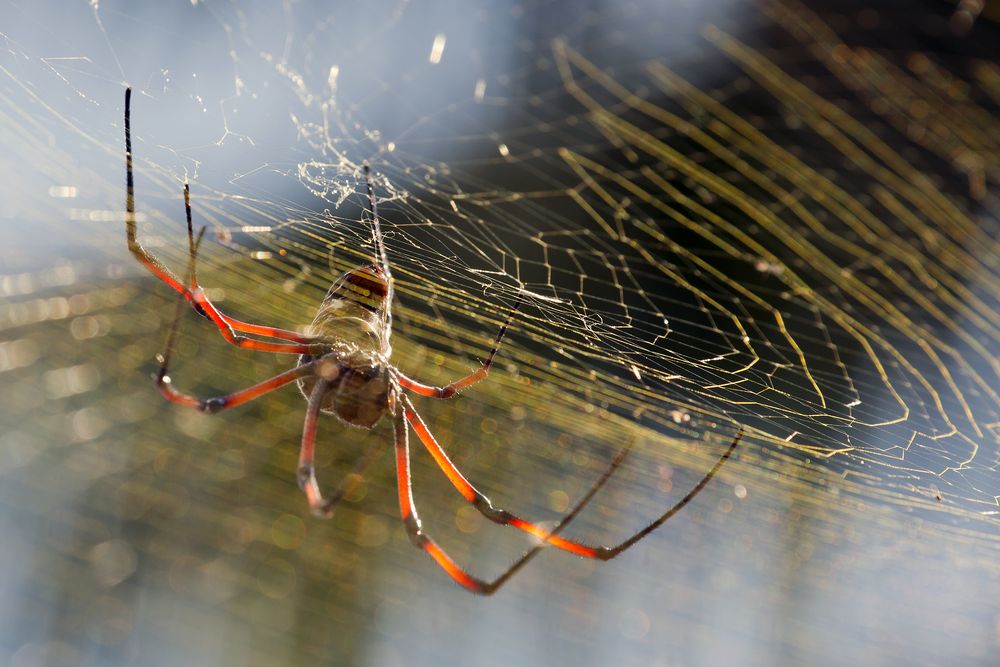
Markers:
{"x": 357, "y": 387}
{"x": 353, "y": 309}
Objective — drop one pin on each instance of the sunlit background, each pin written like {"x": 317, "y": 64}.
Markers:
{"x": 778, "y": 216}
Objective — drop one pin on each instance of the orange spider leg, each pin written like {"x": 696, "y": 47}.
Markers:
{"x": 503, "y": 517}
{"x": 324, "y": 507}
{"x": 408, "y": 510}
{"x": 479, "y": 500}
{"x": 201, "y": 301}
{"x": 216, "y": 403}
{"x": 226, "y": 324}
{"x": 451, "y": 389}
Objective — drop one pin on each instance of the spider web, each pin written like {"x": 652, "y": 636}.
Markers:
{"x": 785, "y": 220}
{"x": 686, "y": 263}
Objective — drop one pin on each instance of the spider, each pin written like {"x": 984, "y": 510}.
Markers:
{"x": 344, "y": 369}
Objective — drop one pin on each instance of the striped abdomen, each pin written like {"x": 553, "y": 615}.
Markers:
{"x": 353, "y": 309}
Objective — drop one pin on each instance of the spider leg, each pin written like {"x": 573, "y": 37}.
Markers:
{"x": 479, "y": 500}
{"x": 140, "y": 253}
{"x": 458, "y": 385}
{"x": 382, "y": 260}
{"x": 217, "y": 403}
{"x": 424, "y": 542}
{"x": 563, "y": 522}
{"x": 503, "y": 517}
{"x": 411, "y": 520}
{"x": 611, "y": 552}
{"x": 194, "y": 295}
{"x": 324, "y": 507}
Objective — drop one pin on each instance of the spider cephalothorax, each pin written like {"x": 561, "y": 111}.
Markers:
{"x": 344, "y": 369}
{"x": 354, "y": 385}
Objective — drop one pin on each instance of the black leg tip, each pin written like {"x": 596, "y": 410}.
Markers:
{"x": 212, "y": 405}
{"x": 303, "y": 475}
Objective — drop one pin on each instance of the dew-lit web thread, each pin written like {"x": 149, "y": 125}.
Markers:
{"x": 759, "y": 355}
{"x": 927, "y": 343}
{"x": 810, "y": 348}
{"x": 612, "y": 335}
{"x": 896, "y": 92}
